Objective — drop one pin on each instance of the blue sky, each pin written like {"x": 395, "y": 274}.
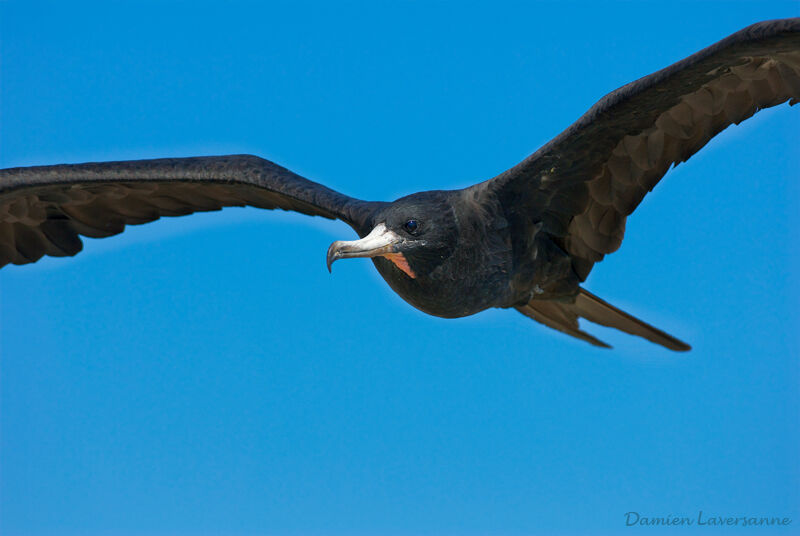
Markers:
{"x": 206, "y": 375}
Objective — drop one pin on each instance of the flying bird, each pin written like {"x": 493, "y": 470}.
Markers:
{"x": 526, "y": 239}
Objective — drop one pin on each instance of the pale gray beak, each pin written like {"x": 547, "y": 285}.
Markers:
{"x": 380, "y": 241}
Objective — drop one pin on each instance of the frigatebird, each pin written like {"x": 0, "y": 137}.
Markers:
{"x": 526, "y": 239}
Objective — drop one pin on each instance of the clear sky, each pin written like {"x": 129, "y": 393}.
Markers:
{"x": 206, "y": 375}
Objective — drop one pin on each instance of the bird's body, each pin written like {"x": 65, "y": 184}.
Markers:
{"x": 526, "y": 239}
{"x": 483, "y": 267}
{"x": 468, "y": 275}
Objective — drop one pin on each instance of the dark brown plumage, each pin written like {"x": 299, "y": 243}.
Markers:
{"x": 526, "y": 239}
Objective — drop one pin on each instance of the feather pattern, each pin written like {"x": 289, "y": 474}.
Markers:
{"x": 626, "y": 142}
{"x": 44, "y": 210}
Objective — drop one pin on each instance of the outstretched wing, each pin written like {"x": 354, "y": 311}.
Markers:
{"x": 45, "y": 209}
{"x": 583, "y": 184}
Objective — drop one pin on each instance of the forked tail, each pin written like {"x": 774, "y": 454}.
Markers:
{"x": 564, "y": 318}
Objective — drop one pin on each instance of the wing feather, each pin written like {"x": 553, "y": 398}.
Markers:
{"x": 626, "y": 142}
{"x": 45, "y": 210}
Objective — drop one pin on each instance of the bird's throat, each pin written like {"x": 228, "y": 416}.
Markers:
{"x": 400, "y": 261}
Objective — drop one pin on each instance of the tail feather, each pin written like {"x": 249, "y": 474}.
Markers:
{"x": 556, "y": 316}
{"x": 564, "y": 317}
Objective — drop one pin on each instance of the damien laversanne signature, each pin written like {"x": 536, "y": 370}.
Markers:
{"x": 703, "y": 519}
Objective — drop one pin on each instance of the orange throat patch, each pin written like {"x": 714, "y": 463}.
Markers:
{"x": 400, "y": 261}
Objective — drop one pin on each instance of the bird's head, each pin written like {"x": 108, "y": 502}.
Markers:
{"x": 417, "y": 233}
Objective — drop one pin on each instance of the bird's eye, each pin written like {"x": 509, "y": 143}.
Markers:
{"x": 411, "y": 226}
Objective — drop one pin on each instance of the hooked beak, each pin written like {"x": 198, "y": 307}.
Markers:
{"x": 380, "y": 241}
